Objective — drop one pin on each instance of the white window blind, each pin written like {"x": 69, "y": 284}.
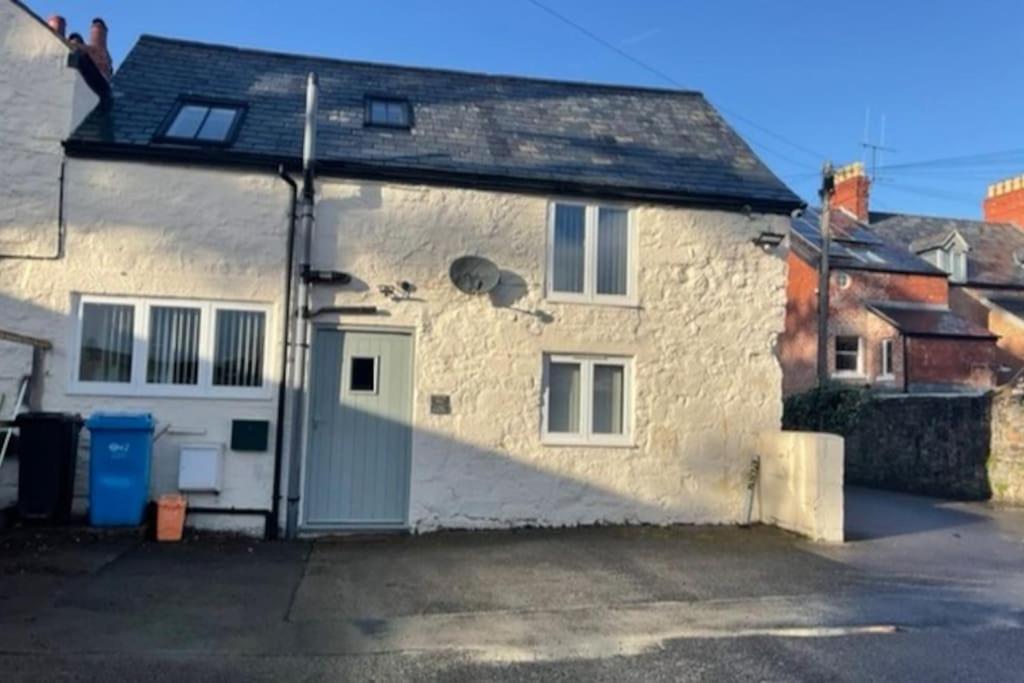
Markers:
{"x": 590, "y": 254}
{"x": 238, "y": 349}
{"x": 107, "y": 338}
{"x": 587, "y": 400}
{"x": 569, "y": 248}
{"x": 173, "y": 354}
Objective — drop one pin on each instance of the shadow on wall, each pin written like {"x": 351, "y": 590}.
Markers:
{"x": 459, "y": 484}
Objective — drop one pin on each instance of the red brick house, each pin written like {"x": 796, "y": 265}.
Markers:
{"x": 984, "y": 261}
{"x": 891, "y": 325}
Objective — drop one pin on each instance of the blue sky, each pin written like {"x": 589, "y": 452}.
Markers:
{"x": 945, "y": 73}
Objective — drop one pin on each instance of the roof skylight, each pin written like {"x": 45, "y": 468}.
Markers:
{"x": 203, "y": 122}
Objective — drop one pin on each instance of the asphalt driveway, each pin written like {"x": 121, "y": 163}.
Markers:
{"x": 925, "y": 591}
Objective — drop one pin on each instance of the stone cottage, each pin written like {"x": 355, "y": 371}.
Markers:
{"x": 619, "y": 370}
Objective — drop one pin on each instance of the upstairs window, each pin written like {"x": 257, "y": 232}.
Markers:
{"x": 388, "y": 112}
{"x": 212, "y": 123}
{"x": 953, "y": 261}
{"x": 590, "y": 254}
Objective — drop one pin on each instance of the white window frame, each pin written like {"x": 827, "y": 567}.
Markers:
{"x": 586, "y": 436}
{"x": 859, "y": 372}
{"x": 138, "y": 386}
{"x": 589, "y": 294}
{"x": 887, "y": 348}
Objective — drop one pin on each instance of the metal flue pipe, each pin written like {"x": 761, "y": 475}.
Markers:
{"x": 299, "y": 372}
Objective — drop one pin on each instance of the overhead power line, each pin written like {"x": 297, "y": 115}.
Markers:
{"x": 611, "y": 46}
{"x": 1004, "y": 157}
{"x": 672, "y": 81}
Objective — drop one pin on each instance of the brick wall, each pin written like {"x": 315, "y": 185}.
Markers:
{"x": 798, "y": 344}
{"x": 942, "y": 362}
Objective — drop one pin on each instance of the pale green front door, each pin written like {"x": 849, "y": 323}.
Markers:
{"x": 360, "y": 436}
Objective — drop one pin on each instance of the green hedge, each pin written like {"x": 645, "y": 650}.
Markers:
{"x": 834, "y": 409}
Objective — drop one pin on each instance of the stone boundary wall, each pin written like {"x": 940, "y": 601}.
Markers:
{"x": 934, "y": 445}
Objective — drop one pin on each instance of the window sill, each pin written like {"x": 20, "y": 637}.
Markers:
{"x": 849, "y": 375}
{"x": 131, "y": 391}
{"x": 612, "y": 302}
{"x": 579, "y": 442}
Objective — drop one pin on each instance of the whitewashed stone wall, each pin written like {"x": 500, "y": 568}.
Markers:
{"x": 707, "y": 381}
{"x": 146, "y": 230}
{"x": 41, "y": 101}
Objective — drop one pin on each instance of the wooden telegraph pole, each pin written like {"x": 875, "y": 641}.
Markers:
{"x": 827, "y": 188}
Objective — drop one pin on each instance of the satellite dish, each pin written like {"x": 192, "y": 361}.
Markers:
{"x": 474, "y": 274}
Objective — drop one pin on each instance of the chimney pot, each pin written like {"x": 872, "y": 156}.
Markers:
{"x": 97, "y": 48}
{"x": 98, "y": 33}
{"x": 58, "y": 24}
{"x": 852, "y": 188}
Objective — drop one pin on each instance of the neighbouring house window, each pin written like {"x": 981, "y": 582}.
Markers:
{"x": 388, "y": 112}
{"x": 590, "y": 255}
{"x": 958, "y": 266}
{"x": 156, "y": 347}
{"x": 201, "y": 122}
{"x": 952, "y": 260}
{"x": 848, "y": 355}
{"x": 587, "y": 400}
{"x": 887, "y": 364}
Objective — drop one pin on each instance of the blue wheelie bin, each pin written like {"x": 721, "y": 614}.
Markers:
{"x": 121, "y": 446}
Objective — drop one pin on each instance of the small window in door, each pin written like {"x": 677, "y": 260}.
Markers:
{"x": 362, "y": 376}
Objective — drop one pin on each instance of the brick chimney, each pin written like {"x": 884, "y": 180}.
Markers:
{"x": 1004, "y": 202}
{"x": 58, "y": 24}
{"x": 97, "y": 48}
{"x": 852, "y": 187}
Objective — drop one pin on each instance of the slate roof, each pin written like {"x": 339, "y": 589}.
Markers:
{"x": 854, "y": 246}
{"x": 667, "y": 145}
{"x": 994, "y": 247}
{"x": 924, "y": 320}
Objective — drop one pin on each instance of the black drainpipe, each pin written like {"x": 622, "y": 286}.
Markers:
{"x": 271, "y": 531}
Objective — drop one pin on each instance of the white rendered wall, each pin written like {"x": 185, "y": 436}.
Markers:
{"x": 147, "y": 230}
{"x": 801, "y": 484}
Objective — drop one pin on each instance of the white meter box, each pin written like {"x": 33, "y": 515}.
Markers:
{"x": 201, "y": 467}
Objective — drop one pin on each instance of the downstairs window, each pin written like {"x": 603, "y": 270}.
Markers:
{"x": 587, "y": 400}
{"x": 159, "y": 347}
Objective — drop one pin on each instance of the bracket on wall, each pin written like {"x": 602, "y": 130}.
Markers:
{"x": 325, "y": 277}
{"x": 340, "y": 310}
